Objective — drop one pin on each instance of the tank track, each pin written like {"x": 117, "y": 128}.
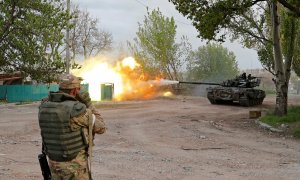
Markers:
{"x": 246, "y": 101}
{"x": 250, "y": 102}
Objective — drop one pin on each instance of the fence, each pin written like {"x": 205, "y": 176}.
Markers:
{"x": 3, "y": 90}
{"x": 23, "y": 93}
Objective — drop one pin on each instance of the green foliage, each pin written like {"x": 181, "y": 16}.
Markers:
{"x": 210, "y": 17}
{"x": 155, "y": 47}
{"x": 296, "y": 50}
{"x": 296, "y": 132}
{"x": 292, "y": 119}
{"x": 256, "y": 24}
{"x": 247, "y": 21}
{"x": 212, "y": 62}
{"x": 31, "y": 37}
{"x": 293, "y": 116}
{"x": 290, "y": 30}
{"x": 290, "y": 39}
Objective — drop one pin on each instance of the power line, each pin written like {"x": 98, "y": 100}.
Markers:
{"x": 141, "y": 3}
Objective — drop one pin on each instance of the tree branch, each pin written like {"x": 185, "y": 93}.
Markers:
{"x": 263, "y": 40}
{"x": 255, "y": 2}
{"x": 289, "y": 6}
{"x": 9, "y": 23}
{"x": 252, "y": 21}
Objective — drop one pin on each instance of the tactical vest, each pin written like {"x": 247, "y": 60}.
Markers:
{"x": 60, "y": 142}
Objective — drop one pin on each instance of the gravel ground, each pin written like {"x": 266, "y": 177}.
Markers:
{"x": 178, "y": 138}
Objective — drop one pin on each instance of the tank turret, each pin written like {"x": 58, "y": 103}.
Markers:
{"x": 242, "y": 81}
{"x": 240, "y": 90}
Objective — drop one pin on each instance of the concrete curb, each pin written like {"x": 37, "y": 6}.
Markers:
{"x": 268, "y": 127}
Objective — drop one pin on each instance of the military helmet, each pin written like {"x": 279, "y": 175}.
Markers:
{"x": 69, "y": 81}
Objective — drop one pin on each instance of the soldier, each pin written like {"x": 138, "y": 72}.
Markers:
{"x": 68, "y": 123}
{"x": 242, "y": 80}
{"x": 243, "y": 76}
{"x": 250, "y": 77}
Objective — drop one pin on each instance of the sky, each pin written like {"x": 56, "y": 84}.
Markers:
{"x": 121, "y": 17}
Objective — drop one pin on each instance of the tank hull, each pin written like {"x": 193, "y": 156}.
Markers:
{"x": 243, "y": 96}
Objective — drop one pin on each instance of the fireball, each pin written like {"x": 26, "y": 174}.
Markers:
{"x": 167, "y": 94}
{"x": 126, "y": 76}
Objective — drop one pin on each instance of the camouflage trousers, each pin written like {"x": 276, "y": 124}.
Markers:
{"x": 76, "y": 169}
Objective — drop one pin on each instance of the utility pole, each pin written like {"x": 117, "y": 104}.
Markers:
{"x": 68, "y": 42}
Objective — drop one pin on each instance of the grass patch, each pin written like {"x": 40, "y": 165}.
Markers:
{"x": 292, "y": 119}
{"x": 270, "y": 92}
{"x": 296, "y": 132}
{"x": 3, "y": 102}
{"x": 24, "y": 102}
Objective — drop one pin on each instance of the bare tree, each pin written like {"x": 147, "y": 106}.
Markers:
{"x": 86, "y": 38}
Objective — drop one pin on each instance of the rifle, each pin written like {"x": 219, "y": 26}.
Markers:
{"x": 44, "y": 165}
{"x": 90, "y": 151}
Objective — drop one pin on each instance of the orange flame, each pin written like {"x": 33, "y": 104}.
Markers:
{"x": 167, "y": 94}
{"x": 127, "y": 77}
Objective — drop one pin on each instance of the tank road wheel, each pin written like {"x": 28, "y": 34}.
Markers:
{"x": 258, "y": 102}
{"x": 210, "y": 97}
{"x": 254, "y": 102}
{"x": 251, "y": 102}
{"x": 245, "y": 102}
{"x": 212, "y": 101}
{"x": 261, "y": 101}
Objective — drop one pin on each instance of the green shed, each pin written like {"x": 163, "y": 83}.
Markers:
{"x": 107, "y": 91}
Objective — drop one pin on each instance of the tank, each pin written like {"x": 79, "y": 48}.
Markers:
{"x": 238, "y": 90}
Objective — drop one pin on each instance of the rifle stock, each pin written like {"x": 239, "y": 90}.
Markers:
{"x": 44, "y": 166}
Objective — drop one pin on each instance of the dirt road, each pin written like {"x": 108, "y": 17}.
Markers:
{"x": 166, "y": 138}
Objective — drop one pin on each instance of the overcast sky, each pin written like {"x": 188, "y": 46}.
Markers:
{"x": 121, "y": 17}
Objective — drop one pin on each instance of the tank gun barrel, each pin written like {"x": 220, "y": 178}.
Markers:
{"x": 194, "y": 82}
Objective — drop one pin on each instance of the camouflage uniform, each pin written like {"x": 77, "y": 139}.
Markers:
{"x": 77, "y": 168}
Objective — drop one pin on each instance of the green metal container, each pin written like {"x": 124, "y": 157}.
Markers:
{"x": 107, "y": 91}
